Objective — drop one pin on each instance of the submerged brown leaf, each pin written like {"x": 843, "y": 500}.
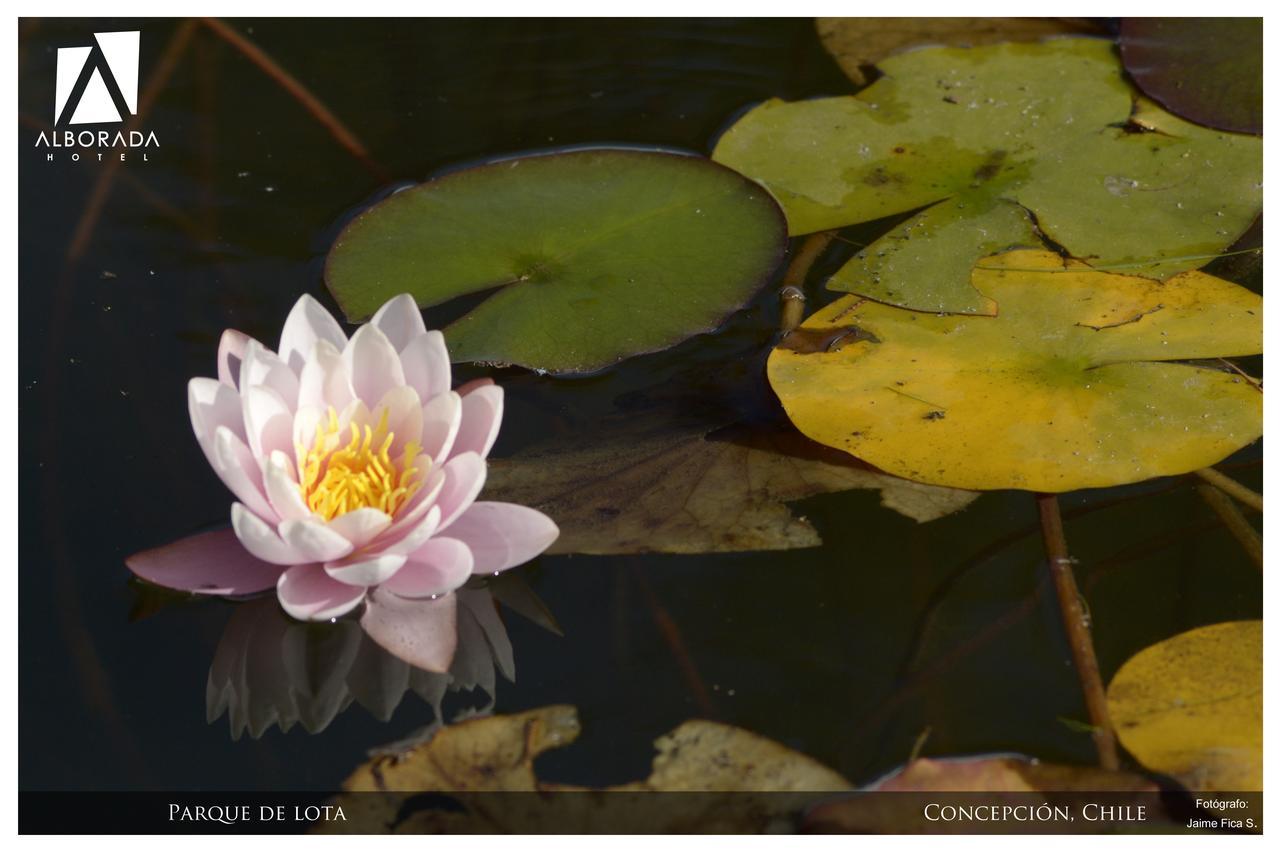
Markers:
{"x": 858, "y": 42}
{"x": 468, "y": 765}
{"x": 645, "y": 485}
{"x": 992, "y": 781}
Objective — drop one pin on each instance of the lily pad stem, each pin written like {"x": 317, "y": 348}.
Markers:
{"x": 1239, "y": 491}
{"x": 792, "y": 293}
{"x": 1234, "y": 521}
{"x": 1076, "y": 621}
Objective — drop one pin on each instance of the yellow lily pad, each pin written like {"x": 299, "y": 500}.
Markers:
{"x": 1078, "y": 382}
{"x": 1191, "y": 707}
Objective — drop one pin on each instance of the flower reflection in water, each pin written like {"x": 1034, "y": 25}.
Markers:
{"x": 270, "y": 670}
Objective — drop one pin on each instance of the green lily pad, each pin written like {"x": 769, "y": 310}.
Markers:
{"x": 1000, "y": 145}
{"x": 582, "y": 258}
{"x": 1081, "y": 381}
{"x": 1208, "y": 70}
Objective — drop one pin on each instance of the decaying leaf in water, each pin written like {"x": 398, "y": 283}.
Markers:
{"x": 645, "y": 485}
{"x": 470, "y": 764}
{"x": 990, "y": 780}
{"x": 1191, "y": 707}
{"x": 858, "y": 42}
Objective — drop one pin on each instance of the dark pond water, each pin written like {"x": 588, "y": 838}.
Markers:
{"x": 847, "y": 652}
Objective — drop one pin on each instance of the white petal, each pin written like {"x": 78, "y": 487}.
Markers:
{"x": 308, "y": 323}
{"x": 324, "y": 381}
{"x": 404, "y": 417}
{"x": 261, "y": 540}
{"x": 212, "y": 404}
{"x": 464, "y": 477}
{"x": 263, "y": 367}
{"x": 441, "y": 417}
{"x": 360, "y": 526}
{"x": 481, "y": 419}
{"x": 314, "y": 540}
{"x": 282, "y": 488}
{"x": 426, "y": 365}
{"x": 268, "y": 421}
{"x": 400, "y": 320}
{"x": 236, "y": 465}
{"x": 231, "y": 349}
{"x": 373, "y": 364}
{"x": 368, "y": 571}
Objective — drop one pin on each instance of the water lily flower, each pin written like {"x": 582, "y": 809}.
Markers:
{"x": 356, "y": 469}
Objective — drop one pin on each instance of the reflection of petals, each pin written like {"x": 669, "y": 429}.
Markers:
{"x": 421, "y": 632}
{"x": 208, "y": 563}
{"x": 478, "y": 605}
{"x": 378, "y": 680}
{"x": 269, "y": 670}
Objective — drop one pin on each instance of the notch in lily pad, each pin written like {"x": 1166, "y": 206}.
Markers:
{"x": 1084, "y": 379}
{"x": 580, "y": 259}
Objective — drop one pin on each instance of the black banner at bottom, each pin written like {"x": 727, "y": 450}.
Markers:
{"x": 638, "y": 812}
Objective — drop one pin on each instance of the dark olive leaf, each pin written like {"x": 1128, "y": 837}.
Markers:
{"x": 580, "y": 259}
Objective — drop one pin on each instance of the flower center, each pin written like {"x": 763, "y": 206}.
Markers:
{"x": 337, "y": 477}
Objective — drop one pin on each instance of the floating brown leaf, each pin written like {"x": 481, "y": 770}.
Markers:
{"x": 481, "y": 773}
{"x": 646, "y": 485}
{"x": 1002, "y": 780}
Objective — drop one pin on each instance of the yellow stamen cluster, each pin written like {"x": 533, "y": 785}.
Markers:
{"x": 337, "y": 478}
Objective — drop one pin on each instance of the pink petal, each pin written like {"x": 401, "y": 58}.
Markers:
{"x": 421, "y": 632}
{"x": 230, "y": 354}
{"x": 373, "y": 363}
{"x": 261, "y": 539}
{"x": 467, "y": 387}
{"x": 268, "y": 421}
{"x": 405, "y": 536}
{"x": 481, "y": 418}
{"x": 365, "y": 571}
{"x": 325, "y": 381}
{"x": 503, "y": 535}
{"x": 314, "y": 540}
{"x": 306, "y": 324}
{"x": 400, "y": 320}
{"x": 439, "y": 566}
{"x": 207, "y": 563}
{"x": 239, "y": 471}
{"x": 360, "y": 526}
{"x": 426, "y": 365}
{"x": 307, "y": 593}
{"x": 463, "y": 479}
